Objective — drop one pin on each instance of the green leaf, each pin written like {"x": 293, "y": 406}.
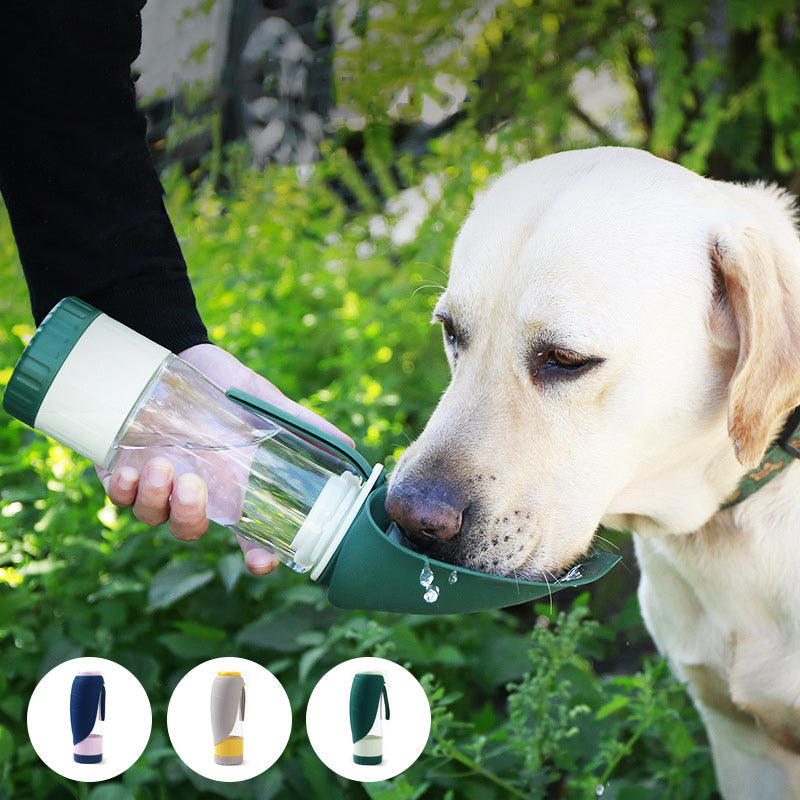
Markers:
{"x": 115, "y": 587}
{"x": 176, "y": 580}
{"x": 192, "y": 647}
{"x": 6, "y": 745}
{"x": 231, "y": 568}
{"x": 280, "y": 630}
{"x": 397, "y": 789}
{"x": 112, "y": 791}
{"x": 620, "y": 701}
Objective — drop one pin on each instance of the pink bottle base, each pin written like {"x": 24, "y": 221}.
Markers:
{"x": 92, "y": 745}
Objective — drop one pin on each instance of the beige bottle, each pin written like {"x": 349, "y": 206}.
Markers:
{"x": 227, "y": 717}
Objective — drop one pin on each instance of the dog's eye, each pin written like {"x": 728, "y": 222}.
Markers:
{"x": 560, "y": 363}
{"x": 449, "y": 333}
{"x": 566, "y": 359}
{"x": 453, "y": 339}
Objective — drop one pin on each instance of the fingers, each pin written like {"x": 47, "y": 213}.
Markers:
{"x": 156, "y": 496}
{"x": 257, "y": 560}
{"x": 151, "y": 504}
{"x": 187, "y": 516}
{"x": 121, "y": 486}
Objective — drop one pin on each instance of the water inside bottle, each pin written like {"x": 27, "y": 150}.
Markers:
{"x": 262, "y": 484}
{"x": 223, "y": 466}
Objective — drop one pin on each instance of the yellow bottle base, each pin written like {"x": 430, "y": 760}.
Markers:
{"x": 229, "y": 750}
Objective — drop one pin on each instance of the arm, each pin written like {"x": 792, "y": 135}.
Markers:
{"x": 86, "y": 208}
{"x": 83, "y": 197}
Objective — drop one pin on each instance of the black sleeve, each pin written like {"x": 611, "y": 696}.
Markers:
{"x": 82, "y": 194}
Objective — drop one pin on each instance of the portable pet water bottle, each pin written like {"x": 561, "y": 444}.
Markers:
{"x": 117, "y": 398}
{"x": 87, "y": 712}
{"x": 369, "y": 706}
{"x": 227, "y": 717}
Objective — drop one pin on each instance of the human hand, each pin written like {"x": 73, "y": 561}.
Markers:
{"x": 157, "y": 496}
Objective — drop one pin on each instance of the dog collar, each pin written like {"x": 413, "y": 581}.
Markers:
{"x": 782, "y": 453}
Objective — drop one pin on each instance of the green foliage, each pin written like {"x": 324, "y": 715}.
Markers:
{"x": 713, "y": 86}
{"x": 574, "y": 734}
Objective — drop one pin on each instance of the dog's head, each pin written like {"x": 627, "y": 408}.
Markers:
{"x": 620, "y": 331}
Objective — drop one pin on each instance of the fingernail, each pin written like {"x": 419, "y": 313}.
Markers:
{"x": 188, "y": 489}
{"x": 260, "y": 561}
{"x": 126, "y": 478}
{"x": 158, "y": 476}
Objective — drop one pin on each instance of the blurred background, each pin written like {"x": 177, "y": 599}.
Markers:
{"x": 318, "y": 158}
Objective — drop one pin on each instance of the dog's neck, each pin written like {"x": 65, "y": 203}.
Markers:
{"x": 782, "y": 453}
{"x": 677, "y": 501}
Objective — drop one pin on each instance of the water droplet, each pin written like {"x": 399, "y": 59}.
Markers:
{"x": 426, "y": 576}
{"x": 453, "y": 577}
{"x": 432, "y": 595}
{"x": 573, "y": 574}
{"x": 599, "y": 790}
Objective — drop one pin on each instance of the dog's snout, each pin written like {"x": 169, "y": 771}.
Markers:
{"x": 426, "y": 514}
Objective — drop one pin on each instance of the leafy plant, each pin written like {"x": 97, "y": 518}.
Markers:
{"x": 573, "y": 733}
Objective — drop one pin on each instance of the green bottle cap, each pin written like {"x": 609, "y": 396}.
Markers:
{"x": 44, "y": 356}
{"x": 80, "y": 377}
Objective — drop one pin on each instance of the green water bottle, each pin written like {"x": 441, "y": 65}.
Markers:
{"x": 369, "y": 706}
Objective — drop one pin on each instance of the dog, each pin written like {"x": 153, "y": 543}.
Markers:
{"x": 624, "y": 343}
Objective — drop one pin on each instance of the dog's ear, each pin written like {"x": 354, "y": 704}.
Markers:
{"x": 758, "y": 275}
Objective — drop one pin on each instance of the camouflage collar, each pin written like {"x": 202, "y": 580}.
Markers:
{"x": 783, "y": 452}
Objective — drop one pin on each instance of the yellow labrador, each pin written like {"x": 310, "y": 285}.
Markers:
{"x": 624, "y": 338}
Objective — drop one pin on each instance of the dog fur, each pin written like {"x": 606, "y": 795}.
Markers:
{"x": 624, "y": 339}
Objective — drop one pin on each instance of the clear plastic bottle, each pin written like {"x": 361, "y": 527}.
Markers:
{"x": 264, "y": 482}
{"x": 118, "y": 398}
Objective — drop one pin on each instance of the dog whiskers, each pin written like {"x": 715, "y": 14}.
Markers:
{"x": 545, "y": 574}
{"x": 427, "y": 286}
{"x": 606, "y": 542}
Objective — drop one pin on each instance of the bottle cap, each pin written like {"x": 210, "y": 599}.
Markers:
{"x": 42, "y": 358}
{"x": 80, "y": 376}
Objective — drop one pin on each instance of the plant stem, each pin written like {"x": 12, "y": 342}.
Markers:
{"x": 626, "y": 751}
{"x": 456, "y": 755}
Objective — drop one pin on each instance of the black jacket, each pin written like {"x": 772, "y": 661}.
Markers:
{"x": 84, "y": 200}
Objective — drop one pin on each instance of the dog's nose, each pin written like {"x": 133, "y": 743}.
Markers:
{"x": 432, "y": 513}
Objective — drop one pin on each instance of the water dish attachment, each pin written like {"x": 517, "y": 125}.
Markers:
{"x": 372, "y": 571}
